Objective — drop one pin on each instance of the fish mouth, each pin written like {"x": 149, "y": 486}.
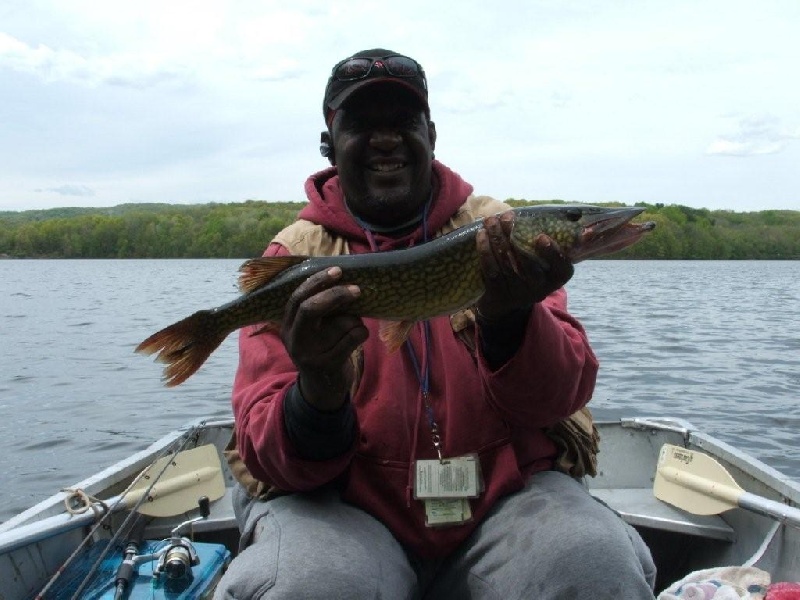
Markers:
{"x": 609, "y": 231}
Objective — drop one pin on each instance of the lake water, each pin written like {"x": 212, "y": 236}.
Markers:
{"x": 716, "y": 343}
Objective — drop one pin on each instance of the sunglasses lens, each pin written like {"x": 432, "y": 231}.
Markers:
{"x": 401, "y": 66}
{"x": 355, "y": 68}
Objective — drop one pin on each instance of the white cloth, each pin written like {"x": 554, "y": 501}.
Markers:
{"x": 724, "y": 583}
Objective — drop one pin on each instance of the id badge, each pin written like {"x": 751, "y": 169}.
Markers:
{"x": 451, "y": 478}
{"x": 443, "y": 512}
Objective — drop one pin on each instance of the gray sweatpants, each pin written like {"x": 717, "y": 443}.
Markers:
{"x": 551, "y": 540}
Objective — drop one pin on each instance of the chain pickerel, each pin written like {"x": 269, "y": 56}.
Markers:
{"x": 398, "y": 287}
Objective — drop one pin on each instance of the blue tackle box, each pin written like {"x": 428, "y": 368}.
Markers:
{"x": 214, "y": 559}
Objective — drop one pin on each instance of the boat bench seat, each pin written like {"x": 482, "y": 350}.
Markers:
{"x": 640, "y": 508}
{"x": 637, "y": 506}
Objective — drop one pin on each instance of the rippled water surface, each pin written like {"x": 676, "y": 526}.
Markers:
{"x": 717, "y": 343}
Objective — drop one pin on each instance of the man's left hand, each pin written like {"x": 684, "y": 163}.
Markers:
{"x": 515, "y": 281}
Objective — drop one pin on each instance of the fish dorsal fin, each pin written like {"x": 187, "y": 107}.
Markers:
{"x": 394, "y": 333}
{"x": 260, "y": 271}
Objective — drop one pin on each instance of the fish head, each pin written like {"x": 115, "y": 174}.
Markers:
{"x": 581, "y": 231}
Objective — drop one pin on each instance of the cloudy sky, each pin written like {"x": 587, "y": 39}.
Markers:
{"x": 693, "y": 102}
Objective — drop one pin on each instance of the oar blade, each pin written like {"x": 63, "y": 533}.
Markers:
{"x": 694, "y": 482}
{"x": 188, "y": 476}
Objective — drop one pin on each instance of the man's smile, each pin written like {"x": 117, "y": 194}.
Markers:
{"x": 383, "y": 167}
{"x": 386, "y": 166}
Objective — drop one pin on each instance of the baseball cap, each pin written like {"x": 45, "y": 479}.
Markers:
{"x": 370, "y": 67}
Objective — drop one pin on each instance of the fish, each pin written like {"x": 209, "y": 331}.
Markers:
{"x": 398, "y": 287}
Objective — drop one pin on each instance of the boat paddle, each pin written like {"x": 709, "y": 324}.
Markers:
{"x": 698, "y": 484}
{"x": 186, "y": 477}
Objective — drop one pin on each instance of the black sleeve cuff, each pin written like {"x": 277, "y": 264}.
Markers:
{"x": 316, "y": 434}
{"x": 501, "y": 338}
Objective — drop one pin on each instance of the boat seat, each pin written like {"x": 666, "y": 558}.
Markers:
{"x": 640, "y": 508}
{"x": 637, "y": 506}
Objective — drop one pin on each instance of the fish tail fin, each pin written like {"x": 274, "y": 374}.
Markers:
{"x": 394, "y": 333}
{"x": 184, "y": 346}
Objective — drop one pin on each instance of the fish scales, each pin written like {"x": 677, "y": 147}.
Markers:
{"x": 415, "y": 283}
{"x": 431, "y": 279}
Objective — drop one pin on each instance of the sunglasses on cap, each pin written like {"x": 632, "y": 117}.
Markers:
{"x": 353, "y": 69}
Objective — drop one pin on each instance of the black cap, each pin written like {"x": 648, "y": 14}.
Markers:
{"x": 405, "y": 72}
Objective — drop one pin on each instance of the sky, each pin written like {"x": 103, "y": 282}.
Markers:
{"x": 692, "y": 102}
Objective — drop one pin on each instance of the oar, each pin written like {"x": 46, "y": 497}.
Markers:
{"x": 191, "y": 474}
{"x": 188, "y": 475}
{"x": 698, "y": 484}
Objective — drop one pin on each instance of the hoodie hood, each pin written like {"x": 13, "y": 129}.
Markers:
{"x": 326, "y": 207}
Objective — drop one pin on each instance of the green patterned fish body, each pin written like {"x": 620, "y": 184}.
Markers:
{"x": 403, "y": 286}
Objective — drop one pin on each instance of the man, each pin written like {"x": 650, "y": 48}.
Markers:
{"x": 342, "y": 442}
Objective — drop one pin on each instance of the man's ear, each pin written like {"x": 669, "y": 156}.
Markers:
{"x": 326, "y": 147}
{"x": 432, "y": 134}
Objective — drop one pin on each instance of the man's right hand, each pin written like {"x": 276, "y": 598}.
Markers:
{"x": 320, "y": 336}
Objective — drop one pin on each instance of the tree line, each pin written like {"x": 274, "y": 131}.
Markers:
{"x": 241, "y": 230}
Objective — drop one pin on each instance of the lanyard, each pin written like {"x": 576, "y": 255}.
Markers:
{"x": 422, "y": 367}
{"x": 423, "y": 373}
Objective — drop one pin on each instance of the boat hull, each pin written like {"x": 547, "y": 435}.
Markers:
{"x": 36, "y": 543}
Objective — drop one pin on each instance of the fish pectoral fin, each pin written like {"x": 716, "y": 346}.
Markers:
{"x": 394, "y": 333}
{"x": 260, "y": 271}
{"x": 267, "y": 327}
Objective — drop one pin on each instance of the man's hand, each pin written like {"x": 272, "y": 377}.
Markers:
{"x": 320, "y": 336}
{"x": 515, "y": 281}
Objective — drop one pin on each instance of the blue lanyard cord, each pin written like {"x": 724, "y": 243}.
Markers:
{"x": 422, "y": 371}
{"x": 423, "y": 378}
{"x": 423, "y": 374}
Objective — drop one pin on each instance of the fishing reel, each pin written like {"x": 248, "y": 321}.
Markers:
{"x": 176, "y": 559}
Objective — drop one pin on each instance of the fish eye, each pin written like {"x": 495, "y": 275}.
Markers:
{"x": 574, "y": 214}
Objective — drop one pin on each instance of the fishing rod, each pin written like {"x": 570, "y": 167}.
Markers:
{"x": 173, "y": 498}
{"x": 174, "y": 560}
{"x": 127, "y": 567}
{"x": 193, "y": 464}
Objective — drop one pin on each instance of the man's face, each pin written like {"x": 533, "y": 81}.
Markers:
{"x": 383, "y": 146}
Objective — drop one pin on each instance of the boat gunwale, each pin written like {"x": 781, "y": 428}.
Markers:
{"x": 98, "y": 483}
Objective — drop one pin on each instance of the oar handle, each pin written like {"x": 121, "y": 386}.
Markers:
{"x": 769, "y": 508}
{"x": 733, "y": 496}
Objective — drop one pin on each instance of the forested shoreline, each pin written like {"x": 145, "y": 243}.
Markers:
{"x": 241, "y": 230}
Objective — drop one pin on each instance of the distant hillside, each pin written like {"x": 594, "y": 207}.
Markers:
{"x": 240, "y": 230}
{"x": 145, "y": 230}
{"x": 71, "y": 212}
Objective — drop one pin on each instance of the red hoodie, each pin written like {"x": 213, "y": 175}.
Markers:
{"x": 500, "y": 415}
